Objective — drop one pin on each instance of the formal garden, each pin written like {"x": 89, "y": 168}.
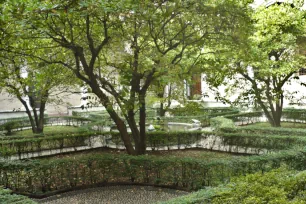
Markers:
{"x": 212, "y": 161}
{"x": 179, "y": 101}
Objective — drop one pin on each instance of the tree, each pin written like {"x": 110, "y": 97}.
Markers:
{"x": 30, "y": 80}
{"x": 119, "y": 48}
{"x": 268, "y": 59}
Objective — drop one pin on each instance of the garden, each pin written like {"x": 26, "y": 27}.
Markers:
{"x": 178, "y": 101}
{"x": 210, "y": 162}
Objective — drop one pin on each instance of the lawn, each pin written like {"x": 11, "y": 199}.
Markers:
{"x": 206, "y": 155}
{"x": 283, "y": 124}
{"x": 48, "y": 130}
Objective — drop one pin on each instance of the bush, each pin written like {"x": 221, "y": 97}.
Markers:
{"x": 9, "y": 126}
{"x": 278, "y": 186}
{"x": 6, "y": 197}
{"x": 222, "y": 124}
{"x": 190, "y": 109}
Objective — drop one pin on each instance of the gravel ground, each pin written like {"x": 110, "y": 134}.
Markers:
{"x": 115, "y": 195}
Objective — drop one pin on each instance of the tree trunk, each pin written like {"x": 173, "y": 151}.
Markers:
{"x": 115, "y": 117}
{"x": 28, "y": 111}
{"x": 141, "y": 147}
{"x": 162, "y": 111}
{"x": 40, "y": 125}
{"x": 125, "y": 136}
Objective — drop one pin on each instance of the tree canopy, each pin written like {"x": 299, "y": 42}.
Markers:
{"x": 119, "y": 48}
{"x": 269, "y": 57}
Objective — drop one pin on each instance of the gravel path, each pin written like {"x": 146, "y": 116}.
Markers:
{"x": 115, "y": 195}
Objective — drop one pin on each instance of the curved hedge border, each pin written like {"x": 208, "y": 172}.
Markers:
{"x": 155, "y": 140}
{"x": 22, "y": 123}
{"x": 41, "y": 176}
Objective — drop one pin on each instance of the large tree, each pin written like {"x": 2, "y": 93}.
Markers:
{"x": 269, "y": 57}
{"x": 119, "y": 48}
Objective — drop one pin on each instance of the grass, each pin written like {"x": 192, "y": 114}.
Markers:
{"x": 283, "y": 124}
{"x": 206, "y": 155}
{"x": 48, "y": 130}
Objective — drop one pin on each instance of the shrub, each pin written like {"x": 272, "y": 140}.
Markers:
{"x": 278, "y": 186}
{"x": 9, "y": 126}
{"x": 6, "y": 197}
{"x": 222, "y": 124}
{"x": 190, "y": 109}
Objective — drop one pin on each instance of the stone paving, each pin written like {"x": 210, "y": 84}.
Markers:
{"x": 115, "y": 195}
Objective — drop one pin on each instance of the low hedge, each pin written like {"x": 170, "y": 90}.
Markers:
{"x": 41, "y": 176}
{"x": 269, "y": 131}
{"x": 278, "y": 186}
{"x": 26, "y": 145}
{"x": 7, "y": 197}
{"x": 155, "y": 140}
{"x": 294, "y": 115}
{"x": 247, "y": 117}
{"x": 269, "y": 142}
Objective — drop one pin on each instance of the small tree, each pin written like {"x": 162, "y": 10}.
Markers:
{"x": 264, "y": 60}
{"x": 30, "y": 80}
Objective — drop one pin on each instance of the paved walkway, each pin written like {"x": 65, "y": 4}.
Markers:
{"x": 115, "y": 195}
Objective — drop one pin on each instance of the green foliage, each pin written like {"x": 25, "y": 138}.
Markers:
{"x": 48, "y": 175}
{"x": 21, "y": 123}
{"x": 268, "y": 57}
{"x": 222, "y": 124}
{"x": 161, "y": 139}
{"x": 19, "y": 145}
{"x": 6, "y": 197}
{"x": 189, "y": 109}
{"x": 9, "y": 126}
{"x": 245, "y": 117}
{"x": 262, "y": 141}
{"x": 279, "y": 186}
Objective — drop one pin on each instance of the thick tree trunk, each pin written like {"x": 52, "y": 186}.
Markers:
{"x": 122, "y": 128}
{"x": 125, "y": 136}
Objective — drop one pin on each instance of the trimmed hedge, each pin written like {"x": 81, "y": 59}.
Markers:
{"x": 160, "y": 139}
{"x": 21, "y": 123}
{"x": 269, "y": 142}
{"x": 269, "y": 131}
{"x": 41, "y": 176}
{"x": 26, "y": 145}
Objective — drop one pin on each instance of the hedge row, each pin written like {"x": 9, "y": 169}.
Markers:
{"x": 269, "y": 142}
{"x": 21, "y": 123}
{"x": 226, "y": 125}
{"x": 41, "y": 176}
{"x": 26, "y": 145}
{"x": 269, "y": 131}
{"x": 161, "y": 139}
{"x": 155, "y": 140}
